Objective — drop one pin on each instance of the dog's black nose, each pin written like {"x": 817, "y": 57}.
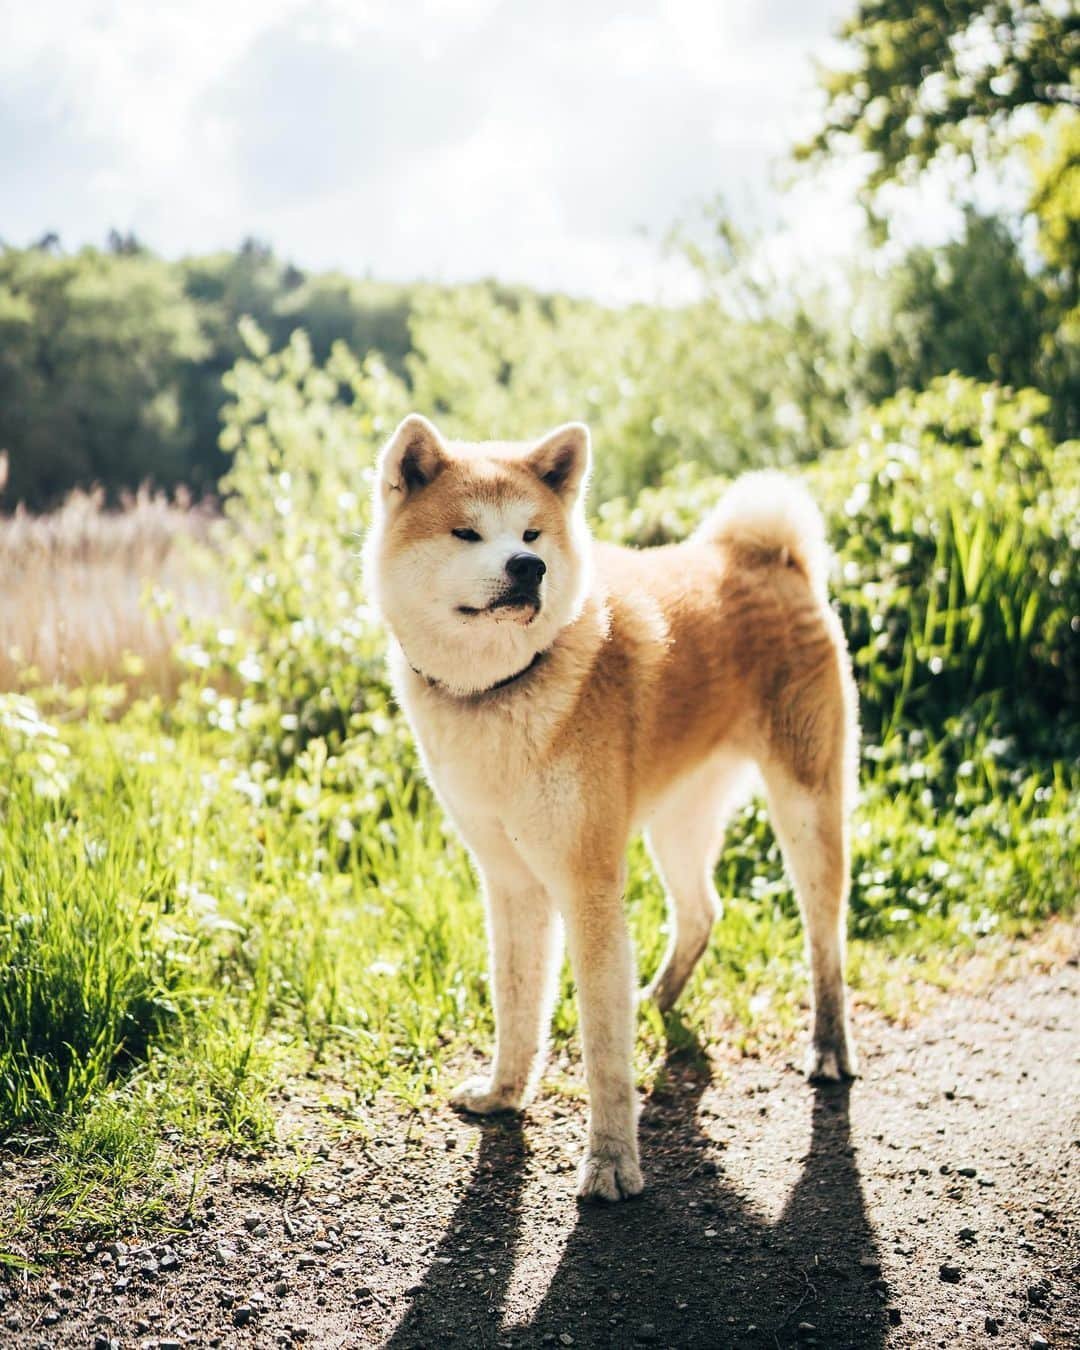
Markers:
{"x": 526, "y": 568}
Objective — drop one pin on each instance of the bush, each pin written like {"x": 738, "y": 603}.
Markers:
{"x": 306, "y": 661}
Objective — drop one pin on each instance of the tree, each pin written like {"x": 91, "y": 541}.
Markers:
{"x": 944, "y": 77}
{"x": 969, "y": 306}
{"x": 935, "y": 80}
{"x": 91, "y": 351}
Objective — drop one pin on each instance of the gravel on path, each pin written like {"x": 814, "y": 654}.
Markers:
{"x": 934, "y": 1203}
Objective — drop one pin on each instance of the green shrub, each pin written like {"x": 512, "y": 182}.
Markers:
{"x": 307, "y": 661}
{"x": 958, "y": 540}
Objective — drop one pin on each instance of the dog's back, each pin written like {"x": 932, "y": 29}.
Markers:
{"x": 727, "y": 641}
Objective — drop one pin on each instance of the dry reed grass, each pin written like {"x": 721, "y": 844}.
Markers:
{"x": 75, "y": 587}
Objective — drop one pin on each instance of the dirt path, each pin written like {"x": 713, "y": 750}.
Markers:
{"x": 934, "y": 1205}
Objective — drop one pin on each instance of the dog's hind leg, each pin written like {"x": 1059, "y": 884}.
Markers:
{"x": 684, "y": 838}
{"x": 525, "y": 938}
{"x": 811, "y": 824}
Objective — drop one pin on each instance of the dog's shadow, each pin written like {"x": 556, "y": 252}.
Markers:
{"x": 690, "y": 1263}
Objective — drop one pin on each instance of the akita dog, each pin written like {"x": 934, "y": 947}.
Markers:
{"x": 567, "y": 693}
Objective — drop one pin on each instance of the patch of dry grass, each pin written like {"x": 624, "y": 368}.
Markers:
{"x": 90, "y": 595}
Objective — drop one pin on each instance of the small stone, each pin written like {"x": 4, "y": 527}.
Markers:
{"x": 566, "y": 1339}
{"x": 870, "y": 1265}
{"x": 321, "y": 1247}
{"x": 307, "y": 1262}
{"x": 170, "y": 1345}
{"x": 967, "y": 1171}
{"x": 1036, "y": 1296}
{"x": 281, "y": 1288}
{"x": 242, "y": 1315}
{"x": 966, "y": 1235}
{"x": 894, "y": 1315}
{"x": 645, "y": 1333}
{"x": 991, "y": 1325}
{"x": 950, "y": 1274}
{"x": 252, "y": 1220}
{"x": 1039, "y": 1342}
{"x": 169, "y": 1259}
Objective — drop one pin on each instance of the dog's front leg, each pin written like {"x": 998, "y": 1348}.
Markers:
{"x": 524, "y": 938}
{"x": 603, "y": 963}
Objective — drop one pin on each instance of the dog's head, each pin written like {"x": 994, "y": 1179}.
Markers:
{"x": 478, "y": 553}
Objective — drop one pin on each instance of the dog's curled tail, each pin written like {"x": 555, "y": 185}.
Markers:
{"x": 770, "y": 518}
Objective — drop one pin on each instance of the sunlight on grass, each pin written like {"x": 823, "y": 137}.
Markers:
{"x": 205, "y": 901}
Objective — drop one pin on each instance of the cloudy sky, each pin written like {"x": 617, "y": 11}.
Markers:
{"x": 551, "y": 143}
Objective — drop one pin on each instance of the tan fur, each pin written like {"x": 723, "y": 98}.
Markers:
{"x": 670, "y": 676}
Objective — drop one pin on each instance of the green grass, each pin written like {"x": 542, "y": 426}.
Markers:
{"x": 181, "y": 932}
{"x": 203, "y": 901}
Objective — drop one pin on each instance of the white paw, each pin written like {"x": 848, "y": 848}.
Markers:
{"x": 831, "y": 1063}
{"x": 610, "y": 1172}
{"x": 480, "y": 1097}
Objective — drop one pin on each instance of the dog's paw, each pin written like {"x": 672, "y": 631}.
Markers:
{"x": 610, "y": 1172}
{"x": 660, "y": 993}
{"x": 479, "y": 1096}
{"x": 831, "y": 1063}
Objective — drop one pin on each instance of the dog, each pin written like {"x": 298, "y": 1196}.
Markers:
{"x": 566, "y": 693}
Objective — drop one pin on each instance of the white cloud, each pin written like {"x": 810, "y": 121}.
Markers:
{"x": 429, "y": 138}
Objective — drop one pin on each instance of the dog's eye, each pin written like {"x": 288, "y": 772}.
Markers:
{"x": 470, "y": 536}
{"x": 530, "y": 535}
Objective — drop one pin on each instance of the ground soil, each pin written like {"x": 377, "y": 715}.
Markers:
{"x": 934, "y": 1203}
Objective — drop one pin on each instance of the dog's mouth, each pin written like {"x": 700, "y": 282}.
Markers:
{"x": 520, "y": 602}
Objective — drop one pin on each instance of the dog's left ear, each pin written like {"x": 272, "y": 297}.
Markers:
{"x": 562, "y": 459}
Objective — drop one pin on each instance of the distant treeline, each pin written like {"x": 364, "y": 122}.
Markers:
{"x": 111, "y": 360}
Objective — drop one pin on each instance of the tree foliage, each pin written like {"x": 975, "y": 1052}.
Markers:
{"x": 973, "y": 307}
{"x": 112, "y": 361}
{"x": 945, "y": 76}
{"x": 92, "y": 350}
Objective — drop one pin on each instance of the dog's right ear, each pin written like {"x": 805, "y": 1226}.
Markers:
{"x": 414, "y": 456}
